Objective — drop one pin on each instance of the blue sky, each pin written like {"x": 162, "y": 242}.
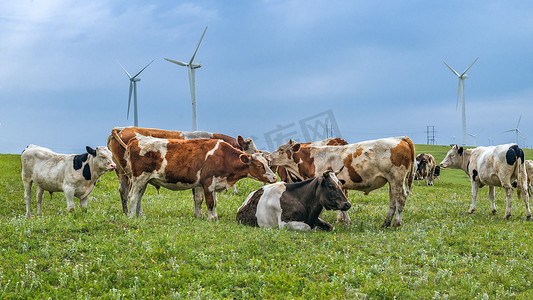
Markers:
{"x": 377, "y": 66}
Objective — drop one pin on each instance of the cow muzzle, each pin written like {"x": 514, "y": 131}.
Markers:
{"x": 346, "y": 206}
{"x": 112, "y": 167}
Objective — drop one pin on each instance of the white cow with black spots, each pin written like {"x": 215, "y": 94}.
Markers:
{"x": 75, "y": 175}
{"x": 493, "y": 166}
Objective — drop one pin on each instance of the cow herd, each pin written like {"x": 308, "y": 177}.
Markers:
{"x": 315, "y": 175}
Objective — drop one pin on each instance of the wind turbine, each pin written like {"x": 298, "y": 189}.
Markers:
{"x": 133, "y": 86}
{"x": 462, "y": 78}
{"x": 517, "y": 131}
{"x": 475, "y": 136}
{"x": 191, "y": 66}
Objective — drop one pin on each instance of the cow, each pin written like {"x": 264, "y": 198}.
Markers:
{"x": 74, "y": 175}
{"x": 367, "y": 165}
{"x": 175, "y": 164}
{"x": 294, "y": 205}
{"x": 425, "y": 168}
{"x": 436, "y": 174}
{"x": 120, "y": 136}
{"x": 493, "y": 166}
{"x": 289, "y": 177}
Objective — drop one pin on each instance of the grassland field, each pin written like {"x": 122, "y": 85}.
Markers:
{"x": 440, "y": 252}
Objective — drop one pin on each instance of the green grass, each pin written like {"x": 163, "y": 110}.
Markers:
{"x": 439, "y": 252}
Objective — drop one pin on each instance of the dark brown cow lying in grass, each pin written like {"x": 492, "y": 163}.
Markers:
{"x": 294, "y": 205}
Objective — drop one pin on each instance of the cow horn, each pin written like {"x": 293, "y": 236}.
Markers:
{"x": 339, "y": 171}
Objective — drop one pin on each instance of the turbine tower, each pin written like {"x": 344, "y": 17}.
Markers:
{"x": 191, "y": 66}
{"x": 475, "y": 136}
{"x": 462, "y": 78}
{"x": 133, "y": 86}
{"x": 517, "y": 131}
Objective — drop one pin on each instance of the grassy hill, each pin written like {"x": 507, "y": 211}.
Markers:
{"x": 439, "y": 252}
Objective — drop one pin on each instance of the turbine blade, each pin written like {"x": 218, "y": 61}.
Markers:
{"x": 129, "y": 100}
{"x": 471, "y": 135}
{"x": 142, "y": 69}
{"x": 519, "y": 119}
{"x": 452, "y": 70}
{"x": 177, "y": 62}
{"x": 192, "y": 58}
{"x": 469, "y": 66}
{"x": 480, "y": 131}
{"x": 509, "y": 130}
{"x": 129, "y": 76}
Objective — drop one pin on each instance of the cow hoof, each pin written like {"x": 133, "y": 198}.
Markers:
{"x": 397, "y": 224}
{"x": 384, "y": 225}
{"x": 493, "y": 211}
{"x": 470, "y": 211}
{"x": 528, "y": 217}
{"x": 507, "y": 217}
{"x": 212, "y": 219}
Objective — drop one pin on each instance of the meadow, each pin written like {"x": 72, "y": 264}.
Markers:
{"x": 440, "y": 251}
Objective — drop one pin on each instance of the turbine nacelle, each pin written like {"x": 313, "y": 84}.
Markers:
{"x": 135, "y": 79}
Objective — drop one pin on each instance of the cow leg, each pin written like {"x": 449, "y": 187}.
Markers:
{"x": 69, "y": 194}
{"x": 474, "y": 196}
{"x": 211, "y": 202}
{"x": 83, "y": 202}
{"x": 124, "y": 188}
{"x": 40, "y": 193}
{"x": 525, "y": 197}
{"x": 135, "y": 196}
{"x": 27, "y": 197}
{"x": 235, "y": 190}
{"x": 509, "y": 197}
{"x": 491, "y": 197}
{"x": 392, "y": 208}
{"x": 296, "y": 225}
{"x": 198, "y": 196}
{"x": 400, "y": 194}
{"x": 342, "y": 216}
{"x": 321, "y": 224}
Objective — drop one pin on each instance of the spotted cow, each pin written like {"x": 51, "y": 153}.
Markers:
{"x": 425, "y": 168}
{"x": 492, "y": 166}
{"x": 367, "y": 165}
{"x": 74, "y": 175}
{"x": 120, "y": 136}
{"x": 294, "y": 205}
{"x": 210, "y": 164}
{"x": 285, "y": 175}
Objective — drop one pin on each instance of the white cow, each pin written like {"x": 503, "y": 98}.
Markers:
{"x": 75, "y": 175}
{"x": 492, "y": 166}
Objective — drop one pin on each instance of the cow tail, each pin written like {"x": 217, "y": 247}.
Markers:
{"x": 520, "y": 167}
{"x": 114, "y": 134}
{"x": 412, "y": 169}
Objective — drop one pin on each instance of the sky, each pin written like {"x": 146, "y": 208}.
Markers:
{"x": 271, "y": 69}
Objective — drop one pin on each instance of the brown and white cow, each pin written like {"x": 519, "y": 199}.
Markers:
{"x": 210, "y": 164}
{"x": 294, "y": 205}
{"x": 492, "y": 166}
{"x": 529, "y": 172}
{"x": 289, "y": 177}
{"x": 425, "y": 168}
{"x": 367, "y": 165}
{"x": 120, "y": 136}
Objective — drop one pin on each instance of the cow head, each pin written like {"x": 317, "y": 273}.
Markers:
{"x": 454, "y": 158}
{"x": 283, "y": 156}
{"x": 330, "y": 193}
{"x": 102, "y": 158}
{"x": 247, "y": 145}
{"x": 258, "y": 167}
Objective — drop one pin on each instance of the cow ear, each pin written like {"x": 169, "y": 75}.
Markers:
{"x": 326, "y": 173}
{"x": 90, "y": 150}
{"x": 296, "y": 147}
{"x": 245, "y": 158}
{"x": 240, "y": 140}
{"x": 460, "y": 151}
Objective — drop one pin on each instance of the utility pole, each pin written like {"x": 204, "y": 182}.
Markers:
{"x": 430, "y": 135}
